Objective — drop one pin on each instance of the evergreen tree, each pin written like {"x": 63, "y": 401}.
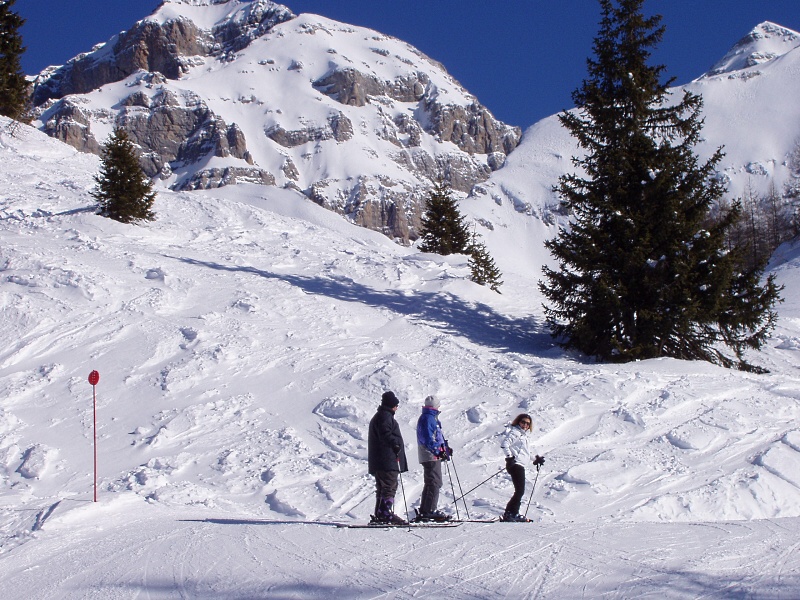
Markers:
{"x": 13, "y": 85}
{"x": 792, "y": 190}
{"x": 123, "y": 191}
{"x": 643, "y": 271}
{"x": 483, "y": 270}
{"x": 443, "y": 228}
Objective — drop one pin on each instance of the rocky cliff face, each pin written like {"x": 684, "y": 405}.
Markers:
{"x": 164, "y": 46}
{"x": 217, "y": 92}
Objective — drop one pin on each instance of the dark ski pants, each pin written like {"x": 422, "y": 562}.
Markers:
{"x": 385, "y": 488}
{"x": 432, "y": 477}
{"x": 517, "y": 473}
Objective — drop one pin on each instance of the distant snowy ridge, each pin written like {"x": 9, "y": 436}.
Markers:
{"x": 750, "y": 109}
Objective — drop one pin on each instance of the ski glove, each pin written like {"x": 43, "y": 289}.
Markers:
{"x": 510, "y": 460}
{"x": 538, "y": 461}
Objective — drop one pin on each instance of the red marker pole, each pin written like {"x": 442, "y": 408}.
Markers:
{"x": 94, "y": 378}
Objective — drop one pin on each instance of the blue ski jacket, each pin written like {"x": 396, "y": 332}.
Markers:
{"x": 430, "y": 439}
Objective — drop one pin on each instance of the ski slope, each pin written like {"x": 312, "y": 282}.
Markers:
{"x": 243, "y": 340}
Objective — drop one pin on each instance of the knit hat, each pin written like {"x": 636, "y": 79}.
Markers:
{"x": 432, "y": 402}
{"x": 389, "y": 400}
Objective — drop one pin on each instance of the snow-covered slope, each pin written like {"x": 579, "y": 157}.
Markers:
{"x": 243, "y": 339}
{"x": 750, "y": 108}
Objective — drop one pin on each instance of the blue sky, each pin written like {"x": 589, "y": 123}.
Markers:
{"x": 521, "y": 58}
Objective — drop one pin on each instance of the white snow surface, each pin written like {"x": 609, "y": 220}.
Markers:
{"x": 243, "y": 340}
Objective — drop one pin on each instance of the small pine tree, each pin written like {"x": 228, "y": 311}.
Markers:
{"x": 483, "y": 270}
{"x": 792, "y": 191}
{"x": 443, "y": 228}
{"x": 14, "y": 96}
{"x": 643, "y": 271}
{"x": 123, "y": 191}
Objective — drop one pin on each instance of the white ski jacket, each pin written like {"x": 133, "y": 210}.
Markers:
{"x": 515, "y": 444}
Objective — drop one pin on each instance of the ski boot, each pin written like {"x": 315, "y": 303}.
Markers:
{"x": 514, "y": 518}
{"x": 397, "y": 520}
{"x": 435, "y": 516}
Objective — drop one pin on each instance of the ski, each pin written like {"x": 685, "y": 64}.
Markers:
{"x": 340, "y": 524}
{"x": 476, "y": 520}
{"x": 433, "y": 521}
{"x": 493, "y": 520}
{"x": 526, "y": 521}
{"x": 396, "y": 525}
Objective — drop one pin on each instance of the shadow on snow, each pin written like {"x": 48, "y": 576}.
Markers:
{"x": 475, "y": 322}
{"x": 215, "y": 521}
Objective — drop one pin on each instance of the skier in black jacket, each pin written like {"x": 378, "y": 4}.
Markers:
{"x": 387, "y": 458}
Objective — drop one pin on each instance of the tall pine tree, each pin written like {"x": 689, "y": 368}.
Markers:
{"x": 443, "y": 229}
{"x": 643, "y": 271}
{"x": 123, "y": 191}
{"x": 13, "y": 85}
{"x": 482, "y": 267}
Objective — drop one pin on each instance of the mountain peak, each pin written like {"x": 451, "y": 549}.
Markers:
{"x": 195, "y": 2}
{"x": 766, "y": 42}
{"x": 214, "y": 2}
{"x": 210, "y": 14}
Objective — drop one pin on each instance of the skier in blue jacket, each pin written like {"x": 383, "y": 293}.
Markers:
{"x": 432, "y": 449}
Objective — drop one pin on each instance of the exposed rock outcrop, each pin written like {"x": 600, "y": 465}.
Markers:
{"x": 352, "y": 87}
{"x": 165, "y": 48}
{"x": 339, "y": 128}
{"x": 70, "y": 123}
{"x": 219, "y": 177}
{"x": 380, "y": 204}
{"x": 180, "y": 131}
{"x": 148, "y": 46}
{"x": 472, "y": 128}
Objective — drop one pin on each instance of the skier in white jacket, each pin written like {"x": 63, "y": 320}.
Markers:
{"x": 515, "y": 447}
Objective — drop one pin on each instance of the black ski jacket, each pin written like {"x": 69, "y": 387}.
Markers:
{"x": 385, "y": 443}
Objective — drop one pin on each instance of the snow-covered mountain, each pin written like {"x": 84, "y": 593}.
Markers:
{"x": 243, "y": 340}
{"x": 763, "y": 44}
{"x": 217, "y": 93}
{"x": 224, "y": 92}
{"x": 750, "y": 108}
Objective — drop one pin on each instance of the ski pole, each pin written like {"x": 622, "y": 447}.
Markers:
{"x": 479, "y": 485}
{"x": 531, "y": 496}
{"x": 460, "y": 491}
{"x": 453, "y": 489}
{"x": 402, "y": 487}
